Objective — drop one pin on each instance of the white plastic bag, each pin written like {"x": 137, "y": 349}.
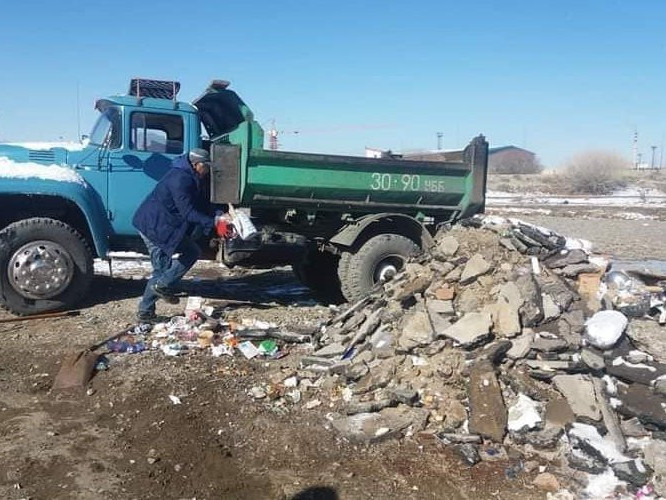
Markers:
{"x": 242, "y": 223}
{"x": 605, "y": 328}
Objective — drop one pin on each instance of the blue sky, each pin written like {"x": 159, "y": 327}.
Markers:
{"x": 556, "y": 77}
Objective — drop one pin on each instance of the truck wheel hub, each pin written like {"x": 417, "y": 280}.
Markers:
{"x": 387, "y": 269}
{"x": 40, "y": 270}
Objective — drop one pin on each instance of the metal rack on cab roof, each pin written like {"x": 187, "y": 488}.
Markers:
{"x": 158, "y": 89}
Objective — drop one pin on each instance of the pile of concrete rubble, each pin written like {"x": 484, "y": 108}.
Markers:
{"x": 508, "y": 340}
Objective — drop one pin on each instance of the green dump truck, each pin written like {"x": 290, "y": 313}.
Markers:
{"x": 344, "y": 223}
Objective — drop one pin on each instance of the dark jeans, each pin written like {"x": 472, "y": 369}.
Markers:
{"x": 167, "y": 272}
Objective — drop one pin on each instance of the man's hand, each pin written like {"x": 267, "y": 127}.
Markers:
{"x": 224, "y": 228}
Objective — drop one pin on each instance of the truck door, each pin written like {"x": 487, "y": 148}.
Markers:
{"x": 93, "y": 162}
{"x": 153, "y": 140}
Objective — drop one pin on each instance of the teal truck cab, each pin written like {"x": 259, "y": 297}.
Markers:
{"x": 344, "y": 223}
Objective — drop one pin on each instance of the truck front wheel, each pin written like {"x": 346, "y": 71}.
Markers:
{"x": 45, "y": 265}
{"x": 378, "y": 259}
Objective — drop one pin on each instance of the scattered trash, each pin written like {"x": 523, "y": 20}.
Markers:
{"x": 312, "y": 404}
{"x": 248, "y": 349}
{"x": 175, "y": 399}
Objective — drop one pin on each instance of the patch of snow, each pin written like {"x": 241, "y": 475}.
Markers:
{"x": 625, "y": 198}
{"x": 578, "y": 244}
{"x": 634, "y": 216}
{"x": 523, "y": 414}
{"x": 634, "y": 444}
{"x": 28, "y": 170}
{"x": 611, "y": 386}
{"x": 606, "y": 447}
{"x": 45, "y": 146}
{"x": 127, "y": 255}
{"x": 525, "y": 210}
{"x": 605, "y": 328}
{"x": 602, "y": 485}
{"x": 636, "y": 191}
{"x": 621, "y": 361}
{"x": 615, "y": 403}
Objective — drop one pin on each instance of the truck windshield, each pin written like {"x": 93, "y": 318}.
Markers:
{"x": 107, "y": 130}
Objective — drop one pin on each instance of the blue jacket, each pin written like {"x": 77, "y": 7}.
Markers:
{"x": 166, "y": 215}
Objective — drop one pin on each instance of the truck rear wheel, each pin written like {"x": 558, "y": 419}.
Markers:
{"x": 378, "y": 259}
{"x": 45, "y": 265}
{"x": 319, "y": 272}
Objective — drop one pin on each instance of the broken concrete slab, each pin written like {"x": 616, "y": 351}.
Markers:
{"x": 444, "y": 307}
{"x": 454, "y": 276}
{"x": 404, "y": 395}
{"x": 455, "y": 414}
{"x": 546, "y": 481}
{"x": 547, "y": 438}
{"x": 641, "y": 373}
{"x": 544, "y": 344}
{"x": 520, "y": 346}
{"x": 495, "y": 351}
{"x": 655, "y": 457}
{"x": 650, "y": 337}
{"x": 593, "y": 358}
{"x": 640, "y": 401}
{"x": 531, "y": 312}
{"x": 446, "y": 292}
{"x": 416, "y": 285}
{"x": 508, "y": 318}
{"x": 562, "y": 294}
{"x": 379, "y": 377}
{"x": 571, "y": 257}
{"x": 475, "y": 267}
{"x": 573, "y": 270}
{"x": 634, "y": 472}
{"x": 579, "y": 393}
{"x": 448, "y": 246}
{"x": 511, "y": 293}
{"x": 470, "y": 329}
{"x": 388, "y": 423}
{"x": 551, "y": 310}
{"x": 520, "y": 382}
{"x": 488, "y": 416}
{"x": 369, "y": 406}
{"x": 416, "y": 331}
{"x": 468, "y": 301}
{"x": 331, "y": 350}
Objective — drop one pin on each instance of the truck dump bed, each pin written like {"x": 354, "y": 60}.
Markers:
{"x": 264, "y": 178}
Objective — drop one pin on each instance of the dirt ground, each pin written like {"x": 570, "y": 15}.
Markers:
{"x": 125, "y": 439}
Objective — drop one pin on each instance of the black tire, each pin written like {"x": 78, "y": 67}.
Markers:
{"x": 358, "y": 270}
{"x": 319, "y": 272}
{"x": 21, "y": 233}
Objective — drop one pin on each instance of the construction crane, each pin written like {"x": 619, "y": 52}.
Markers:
{"x": 274, "y": 133}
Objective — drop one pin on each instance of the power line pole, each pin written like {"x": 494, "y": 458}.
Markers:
{"x": 654, "y": 148}
{"x": 439, "y": 140}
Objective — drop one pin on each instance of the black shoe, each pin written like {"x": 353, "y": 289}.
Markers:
{"x": 165, "y": 294}
{"x": 147, "y": 318}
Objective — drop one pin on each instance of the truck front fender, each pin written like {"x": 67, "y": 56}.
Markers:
{"x": 79, "y": 194}
{"x": 358, "y": 231}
